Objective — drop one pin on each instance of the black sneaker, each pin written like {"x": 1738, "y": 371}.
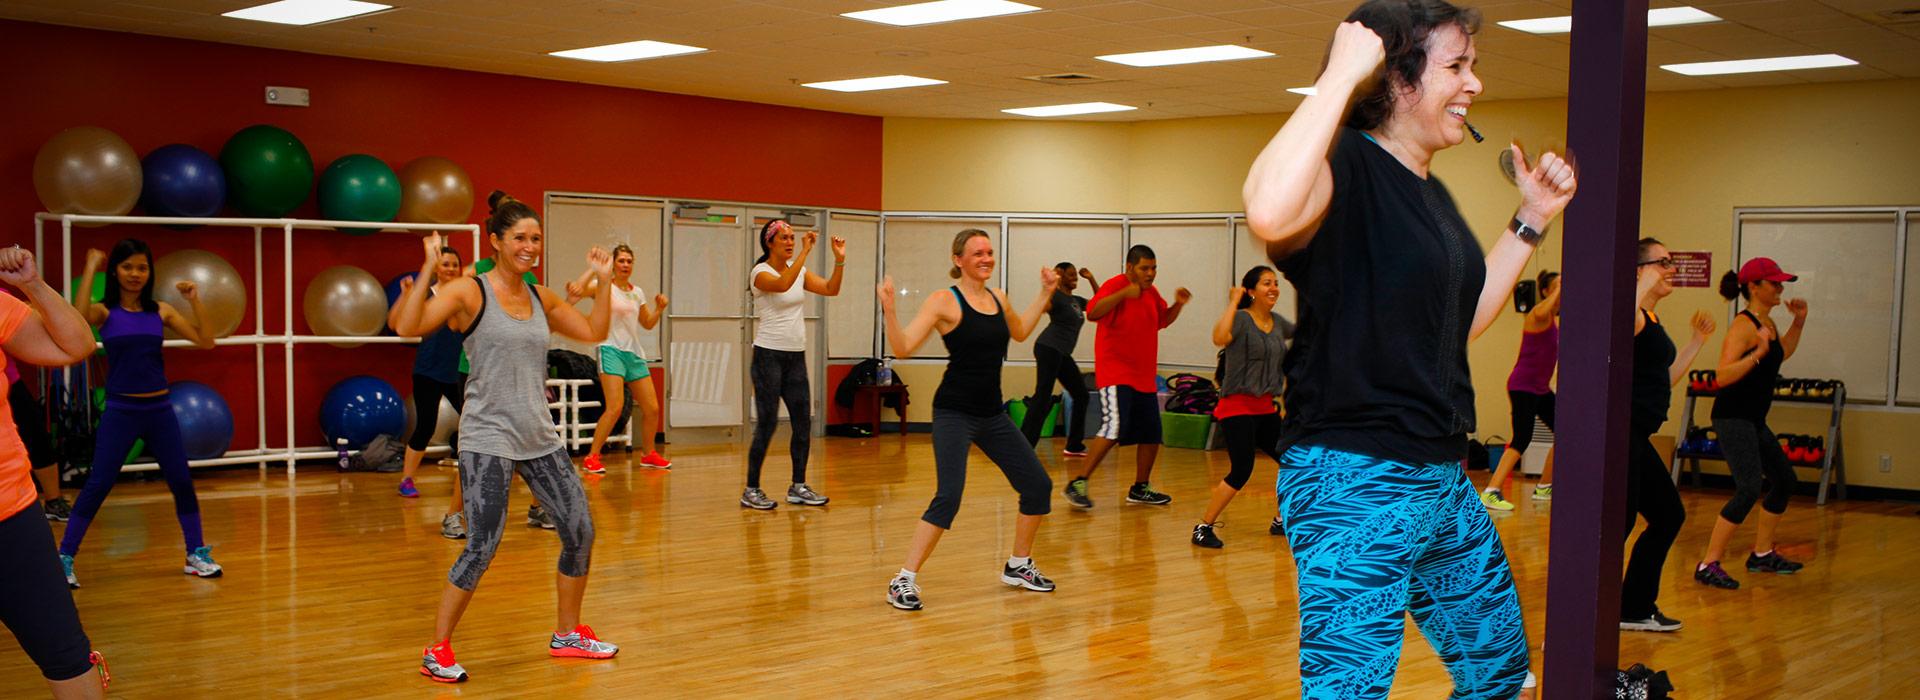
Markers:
{"x": 1653, "y": 623}
{"x": 1772, "y": 563}
{"x": 1711, "y": 574}
{"x": 58, "y": 510}
{"x": 1203, "y": 537}
{"x": 1276, "y": 528}
{"x": 1142, "y": 493}
{"x": 537, "y": 517}
{"x": 1077, "y": 494}
{"x": 1025, "y": 576}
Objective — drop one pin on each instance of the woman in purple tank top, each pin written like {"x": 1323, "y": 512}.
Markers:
{"x": 1530, "y": 389}
{"x": 131, "y": 325}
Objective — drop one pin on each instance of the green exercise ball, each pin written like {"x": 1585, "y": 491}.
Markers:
{"x": 359, "y": 187}
{"x": 269, "y": 171}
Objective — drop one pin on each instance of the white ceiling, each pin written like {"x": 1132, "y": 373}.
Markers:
{"x": 762, "y": 49}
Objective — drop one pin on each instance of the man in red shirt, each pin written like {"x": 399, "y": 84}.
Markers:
{"x": 1128, "y": 313}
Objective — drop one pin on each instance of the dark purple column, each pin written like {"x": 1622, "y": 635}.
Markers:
{"x": 1606, "y": 99}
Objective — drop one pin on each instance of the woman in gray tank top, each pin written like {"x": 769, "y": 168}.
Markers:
{"x": 505, "y": 427}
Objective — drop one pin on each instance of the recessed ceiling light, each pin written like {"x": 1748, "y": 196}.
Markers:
{"x": 305, "y": 12}
{"x": 1663, "y": 17}
{"x": 941, "y": 11}
{"x": 1761, "y": 65}
{"x": 884, "y": 82}
{"x": 1308, "y": 91}
{"x": 1068, "y": 110}
{"x": 628, "y": 51}
{"x": 1174, "y": 57}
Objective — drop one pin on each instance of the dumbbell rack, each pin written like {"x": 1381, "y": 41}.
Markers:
{"x": 1833, "y": 466}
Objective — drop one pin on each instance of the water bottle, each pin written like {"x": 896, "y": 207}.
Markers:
{"x": 884, "y": 375}
{"x": 345, "y": 459}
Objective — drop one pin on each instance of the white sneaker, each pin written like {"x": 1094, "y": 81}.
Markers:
{"x": 200, "y": 563}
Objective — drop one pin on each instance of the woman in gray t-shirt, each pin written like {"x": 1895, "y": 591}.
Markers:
{"x": 1253, "y": 338}
{"x": 1053, "y": 361}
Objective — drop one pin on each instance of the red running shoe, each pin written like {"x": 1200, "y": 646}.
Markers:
{"x": 592, "y": 465}
{"x": 655, "y": 460}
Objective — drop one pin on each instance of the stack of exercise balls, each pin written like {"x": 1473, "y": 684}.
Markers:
{"x": 360, "y": 408}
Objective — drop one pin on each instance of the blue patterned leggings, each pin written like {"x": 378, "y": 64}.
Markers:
{"x": 1374, "y": 540}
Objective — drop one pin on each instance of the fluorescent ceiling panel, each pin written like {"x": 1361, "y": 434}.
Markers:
{"x": 1663, "y": 17}
{"x": 305, "y": 12}
{"x": 627, "y": 51}
{"x": 1069, "y": 110}
{"x": 1762, "y": 65}
{"x": 1308, "y": 90}
{"x": 1174, "y": 57}
{"x": 941, "y": 11}
{"x": 884, "y": 82}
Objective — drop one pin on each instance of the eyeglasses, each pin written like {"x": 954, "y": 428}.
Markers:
{"x": 1666, "y": 263}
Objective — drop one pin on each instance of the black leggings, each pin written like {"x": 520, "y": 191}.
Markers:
{"x": 427, "y": 394}
{"x": 1050, "y": 365}
{"x": 1244, "y": 435}
{"x": 1753, "y": 457}
{"x": 1527, "y": 405}
{"x": 34, "y": 601}
{"x": 779, "y": 375}
{"x": 955, "y": 433}
{"x": 1650, "y": 493}
{"x": 426, "y": 406}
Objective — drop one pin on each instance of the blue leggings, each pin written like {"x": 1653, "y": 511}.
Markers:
{"x": 1374, "y": 540}
{"x": 125, "y": 420}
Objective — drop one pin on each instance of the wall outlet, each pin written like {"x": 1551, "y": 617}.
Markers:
{"x": 286, "y": 96}
{"x": 1886, "y": 463}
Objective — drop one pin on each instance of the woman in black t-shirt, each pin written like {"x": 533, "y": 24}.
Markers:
{"x": 1392, "y": 286}
{"x": 1657, "y": 366}
{"x": 1053, "y": 361}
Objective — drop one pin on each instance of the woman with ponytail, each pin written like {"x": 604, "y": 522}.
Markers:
{"x": 504, "y": 324}
{"x": 1530, "y": 391}
{"x": 1750, "y": 358}
{"x": 781, "y": 281}
{"x": 1254, "y": 338}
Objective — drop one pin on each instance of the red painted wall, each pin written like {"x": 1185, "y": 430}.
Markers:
{"x": 522, "y": 135}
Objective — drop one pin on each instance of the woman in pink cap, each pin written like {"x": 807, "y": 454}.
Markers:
{"x": 1750, "y": 360}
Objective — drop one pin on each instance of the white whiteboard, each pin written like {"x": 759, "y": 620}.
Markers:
{"x": 1847, "y": 264}
{"x": 1036, "y": 243}
{"x": 850, "y": 316}
{"x": 1196, "y": 254}
{"x": 919, "y": 254}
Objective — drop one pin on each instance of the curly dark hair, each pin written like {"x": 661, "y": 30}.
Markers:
{"x": 1404, "y": 27}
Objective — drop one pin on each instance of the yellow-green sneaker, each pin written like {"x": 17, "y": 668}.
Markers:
{"x": 1492, "y": 500}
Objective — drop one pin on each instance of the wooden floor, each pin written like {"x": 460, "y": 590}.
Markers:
{"x": 331, "y": 582}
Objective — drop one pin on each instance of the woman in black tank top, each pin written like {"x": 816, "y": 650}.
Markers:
{"x": 972, "y": 320}
{"x": 1750, "y": 360}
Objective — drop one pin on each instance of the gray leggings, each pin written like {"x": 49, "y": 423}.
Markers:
{"x": 954, "y": 433}
{"x": 779, "y": 375}
{"x": 486, "y": 480}
{"x": 1753, "y": 453}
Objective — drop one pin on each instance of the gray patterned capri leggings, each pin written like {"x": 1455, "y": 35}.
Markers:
{"x": 486, "y": 480}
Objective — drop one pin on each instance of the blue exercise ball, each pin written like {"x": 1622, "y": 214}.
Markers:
{"x": 180, "y": 180}
{"x": 206, "y": 424}
{"x": 359, "y": 408}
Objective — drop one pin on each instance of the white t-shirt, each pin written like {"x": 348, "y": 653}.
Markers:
{"x": 623, "y": 331}
{"x": 782, "y": 323}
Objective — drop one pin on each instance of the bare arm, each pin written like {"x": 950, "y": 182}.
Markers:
{"x": 1223, "y": 327}
{"x": 830, "y": 286}
{"x": 1791, "y": 341}
{"x": 197, "y": 331}
{"x": 1702, "y": 327}
{"x": 1180, "y": 298}
{"x": 54, "y": 334}
{"x": 939, "y": 310}
{"x": 581, "y": 287}
{"x": 651, "y": 317}
{"x": 94, "y": 314}
{"x": 1545, "y": 190}
{"x": 1023, "y": 325}
{"x": 1739, "y": 354}
{"x": 568, "y": 321}
{"x": 1290, "y": 184}
{"x": 453, "y": 304}
{"x": 1542, "y": 314}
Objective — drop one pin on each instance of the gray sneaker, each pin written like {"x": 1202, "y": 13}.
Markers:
{"x": 454, "y": 526}
{"x": 804, "y": 495}
{"x": 757, "y": 500}
{"x": 537, "y": 517}
{"x": 200, "y": 563}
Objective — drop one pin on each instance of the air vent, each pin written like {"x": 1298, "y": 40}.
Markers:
{"x": 1068, "y": 79}
{"x": 1906, "y": 16}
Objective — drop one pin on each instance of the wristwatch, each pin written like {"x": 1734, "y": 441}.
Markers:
{"x": 1527, "y": 234}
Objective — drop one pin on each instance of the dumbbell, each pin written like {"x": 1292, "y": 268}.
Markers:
{"x": 1816, "y": 449}
{"x": 1696, "y": 380}
{"x": 1711, "y": 443}
{"x": 1713, "y": 379}
{"x": 1782, "y": 388}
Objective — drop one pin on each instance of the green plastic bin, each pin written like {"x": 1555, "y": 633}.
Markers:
{"x": 1185, "y": 430}
{"x": 1017, "y": 410}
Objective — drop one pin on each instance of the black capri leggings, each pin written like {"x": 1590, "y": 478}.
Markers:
{"x": 426, "y": 406}
{"x": 1527, "y": 405}
{"x": 1244, "y": 435}
{"x": 1753, "y": 457}
{"x": 954, "y": 435}
{"x": 34, "y": 601}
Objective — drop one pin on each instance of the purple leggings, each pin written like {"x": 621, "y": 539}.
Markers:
{"x": 126, "y": 419}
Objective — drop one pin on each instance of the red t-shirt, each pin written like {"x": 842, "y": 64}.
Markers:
{"x": 16, "y": 474}
{"x": 1232, "y": 405}
{"x": 1126, "y": 341}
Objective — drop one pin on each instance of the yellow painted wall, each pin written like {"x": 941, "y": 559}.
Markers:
{"x": 1706, "y": 153}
